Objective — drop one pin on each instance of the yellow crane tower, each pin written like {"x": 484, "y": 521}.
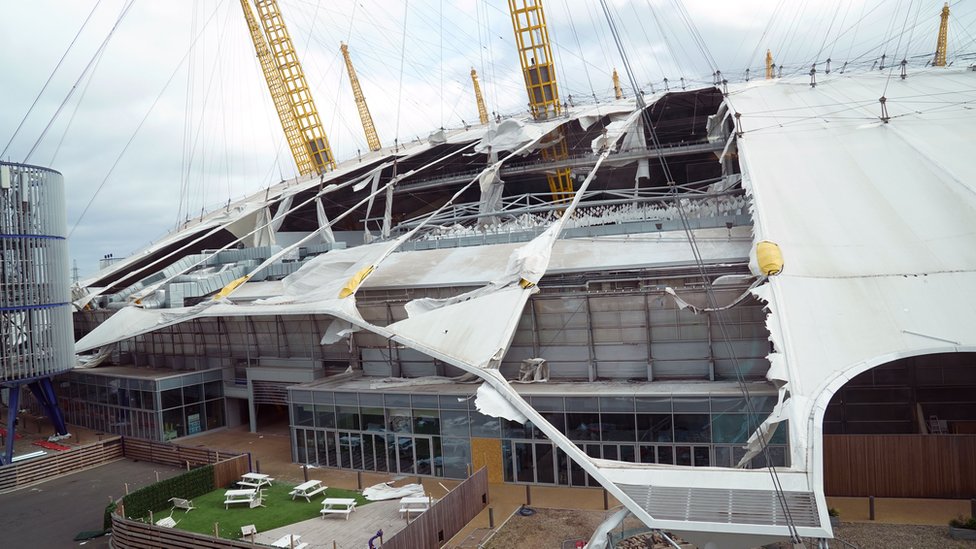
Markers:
{"x": 618, "y": 92}
{"x": 535, "y": 55}
{"x": 372, "y": 139}
{"x": 769, "y": 65}
{"x": 276, "y": 86}
{"x": 293, "y": 86}
{"x": 940, "y": 47}
{"x": 482, "y": 111}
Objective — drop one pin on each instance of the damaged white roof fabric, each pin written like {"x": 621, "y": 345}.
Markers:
{"x": 876, "y": 222}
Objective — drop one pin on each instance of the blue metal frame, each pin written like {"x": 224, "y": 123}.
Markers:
{"x": 43, "y": 390}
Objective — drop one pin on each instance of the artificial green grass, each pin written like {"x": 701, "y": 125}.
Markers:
{"x": 279, "y": 511}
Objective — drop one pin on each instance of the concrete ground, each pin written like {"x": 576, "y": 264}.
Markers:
{"x": 51, "y": 513}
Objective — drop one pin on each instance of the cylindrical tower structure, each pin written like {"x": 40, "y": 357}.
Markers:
{"x": 36, "y": 339}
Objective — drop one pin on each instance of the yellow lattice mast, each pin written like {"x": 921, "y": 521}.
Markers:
{"x": 302, "y": 105}
{"x": 618, "y": 92}
{"x": 535, "y": 55}
{"x": 372, "y": 139}
{"x": 940, "y": 47}
{"x": 278, "y": 94}
{"x": 482, "y": 111}
{"x": 769, "y": 65}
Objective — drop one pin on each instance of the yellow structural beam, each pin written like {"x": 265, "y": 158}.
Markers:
{"x": 769, "y": 65}
{"x": 302, "y": 105}
{"x": 618, "y": 92}
{"x": 940, "y": 47}
{"x": 278, "y": 94}
{"x": 372, "y": 139}
{"x": 482, "y": 110}
{"x": 535, "y": 55}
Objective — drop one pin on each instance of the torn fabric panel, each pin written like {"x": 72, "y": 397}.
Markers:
{"x": 337, "y": 331}
{"x": 325, "y": 228}
{"x": 490, "y": 403}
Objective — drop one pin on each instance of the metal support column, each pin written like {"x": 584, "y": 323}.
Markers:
{"x": 13, "y": 406}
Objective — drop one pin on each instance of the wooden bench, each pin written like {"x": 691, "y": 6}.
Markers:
{"x": 252, "y": 497}
{"x": 290, "y": 541}
{"x": 414, "y": 505}
{"x": 340, "y": 506}
{"x": 180, "y": 503}
{"x": 255, "y": 480}
{"x": 307, "y": 490}
{"x": 249, "y": 530}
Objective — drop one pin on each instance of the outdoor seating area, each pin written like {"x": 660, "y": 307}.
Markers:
{"x": 251, "y": 496}
{"x": 414, "y": 505}
{"x": 338, "y": 506}
{"x": 290, "y": 541}
{"x": 308, "y": 489}
{"x": 184, "y": 504}
{"x": 255, "y": 480}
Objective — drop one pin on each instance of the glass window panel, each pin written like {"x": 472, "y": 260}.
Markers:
{"x": 397, "y": 400}
{"x": 424, "y": 401}
{"x": 665, "y": 454}
{"x": 192, "y": 394}
{"x": 647, "y": 454}
{"x": 380, "y": 452}
{"x": 583, "y": 426}
{"x": 452, "y": 402}
{"x": 347, "y": 417}
{"x": 347, "y": 398}
{"x": 171, "y": 398}
{"x": 455, "y": 423}
{"x": 426, "y": 422}
{"x": 213, "y": 389}
{"x": 484, "y": 426}
{"x": 215, "y": 414}
{"x": 547, "y": 404}
{"x": 401, "y": 421}
{"x": 582, "y": 404}
{"x": 304, "y": 414}
{"x": 617, "y": 404}
{"x": 654, "y": 428}
{"x": 701, "y": 456}
{"x": 300, "y": 445}
{"x": 723, "y": 456}
{"x": 691, "y": 428}
{"x": 349, "y": 444}
{"x": 322, "y": 448}
{"x": 173, "y": 426}
{"x": 371, "y": 399}
{"x": 610, "y": 451}
{"x": 323, "y": 397}
{"x": 369, "y": 460}
{"x": 731, "y": 427}
{"x": 618, "y": 427}
{"x": 325, "y": 416}
{"x": 524, "y": 460}
{"x": 544, "y": 469}
{"x": 373, "y": 419}
{"x": 691, "y": 404}
{"x": 507, "y": 461}
{"x": 423, "y": 455}
{"x": 404, "y": 449}
{"x": 627, "y": 453}
{"x": 682, "y": 455}
{"x": 456, "y": 457}
{"x": 514, "y": 429}
{"x": 729, "y": 404}
{"x": 654, "y": 404}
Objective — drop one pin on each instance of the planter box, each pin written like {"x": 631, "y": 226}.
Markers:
{"x": 962, "y": 533}
{"x": 834, "y": 522}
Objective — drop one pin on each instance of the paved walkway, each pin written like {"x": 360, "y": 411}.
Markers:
{"x": 355, "y": 532}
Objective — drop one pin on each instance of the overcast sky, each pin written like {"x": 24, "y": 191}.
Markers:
{"x": 176, "y": 101}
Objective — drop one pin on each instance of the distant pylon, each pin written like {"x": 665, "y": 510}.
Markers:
{"x": 940, "y": 47}
{"x": 617, "y": 91}
{"x": 769, "y": 65}
{"x": 482, "y": 111}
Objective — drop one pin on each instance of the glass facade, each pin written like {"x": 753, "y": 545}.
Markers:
{"x": 431, "y": 435}
{"x": 156, "y": 409}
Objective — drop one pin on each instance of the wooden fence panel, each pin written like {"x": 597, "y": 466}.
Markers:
{"x": 133, "y": 534}
{"x": 907, "y": 466}
{"x": 230, "y": 470}
{"x": 17, "y": 475}
{"x": 446, "y": 517}
{"x": 171, "y": 454}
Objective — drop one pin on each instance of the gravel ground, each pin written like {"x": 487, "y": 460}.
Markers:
{"x": 549, "y": 528}
{"x": 898, "y": 536}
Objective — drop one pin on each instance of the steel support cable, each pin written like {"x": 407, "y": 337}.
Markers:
{"x": 664, "y": 36}
{"x": 74, "y": 112}
{"x": 709, "y": 294}
{"x": 908, "y": 13}
{"x": 773, "y": 17}
{"x": 695, "y": 35}
{"x": 142, "y": 122}
{"x": 91, "y": 62}
{"x": 49, "y": 78}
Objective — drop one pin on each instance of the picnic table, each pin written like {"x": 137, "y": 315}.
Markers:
{"x": 339, "y": 506}
{"x": 417, "y": 505}
{"x": 251, "y": 496}
{"x": 255, "y": 480}
{"x": 307, "y": 490}
{"x": 290, "y": 541}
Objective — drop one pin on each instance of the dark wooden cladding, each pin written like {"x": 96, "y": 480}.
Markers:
{"x": 133, "y": 534}
{"x": 903, "y": 466}
{"x": 165, "y": 453}
{"x": 18, "y": 475}
{"x": 446, "y": 517}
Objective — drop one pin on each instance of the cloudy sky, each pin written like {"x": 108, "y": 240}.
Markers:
{"x": 173, "y": 117}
